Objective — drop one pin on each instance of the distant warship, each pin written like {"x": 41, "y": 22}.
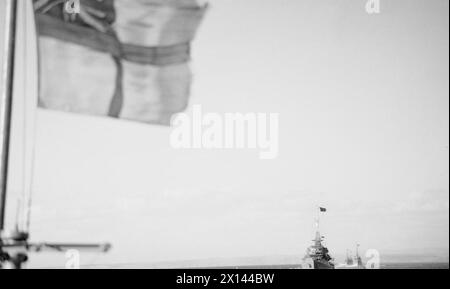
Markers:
{"x": 352, "y": 262}
{"x": 317, "y": 256}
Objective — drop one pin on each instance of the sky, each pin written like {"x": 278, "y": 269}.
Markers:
{"x": 363, "y": 104}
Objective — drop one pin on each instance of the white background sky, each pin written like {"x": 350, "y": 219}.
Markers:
{"x": 363, "y": 103}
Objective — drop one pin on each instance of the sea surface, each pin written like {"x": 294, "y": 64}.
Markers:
{"x": 411, "y": 265}
{"x": 424, "y": 266}
{"x": 415, "y": 266}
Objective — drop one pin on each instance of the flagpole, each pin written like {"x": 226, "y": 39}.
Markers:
{"x": 17, "y": 241}
{"x": 318, "y": 219}
{"x": 6, "y": 96}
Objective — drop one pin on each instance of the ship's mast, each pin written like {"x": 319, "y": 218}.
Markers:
{"x": 318, "y": 237}
{"x": 6, "y": 96}
{"x": 318, "y": 219}
{"x": 18, "y": 241}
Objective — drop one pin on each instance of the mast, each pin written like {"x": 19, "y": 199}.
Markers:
{"x": 6, "y": 95}
{"x": 18, "y": 241}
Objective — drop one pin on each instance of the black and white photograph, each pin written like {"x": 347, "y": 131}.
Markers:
{"x": 217, "y": 135}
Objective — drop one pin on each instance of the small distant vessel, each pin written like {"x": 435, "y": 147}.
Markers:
{"x": 352, "y": 262}
{"x": 317, "y": 256}
{"x": 349, "y": 260}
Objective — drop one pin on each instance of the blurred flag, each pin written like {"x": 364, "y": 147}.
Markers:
{"x": 323, "y": 210}
{"x": 118, "y": 58}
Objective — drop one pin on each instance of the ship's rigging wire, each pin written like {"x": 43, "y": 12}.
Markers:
{"x": 28, "y": 129}
{"x": 24, "y": 122}
{"x": 33, "y": 140}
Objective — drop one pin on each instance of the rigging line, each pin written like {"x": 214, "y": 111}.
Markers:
{"x": 32, "y": 180}
{"x": 32, "y": 176}
{"x": 21, "y": 36}
{"x": 24, "y": 104}
{"x": 32, "y": 136}
{"x": 33, "y": 147}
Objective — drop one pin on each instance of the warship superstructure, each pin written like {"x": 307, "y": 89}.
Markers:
{"x": 317, "y": 256}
